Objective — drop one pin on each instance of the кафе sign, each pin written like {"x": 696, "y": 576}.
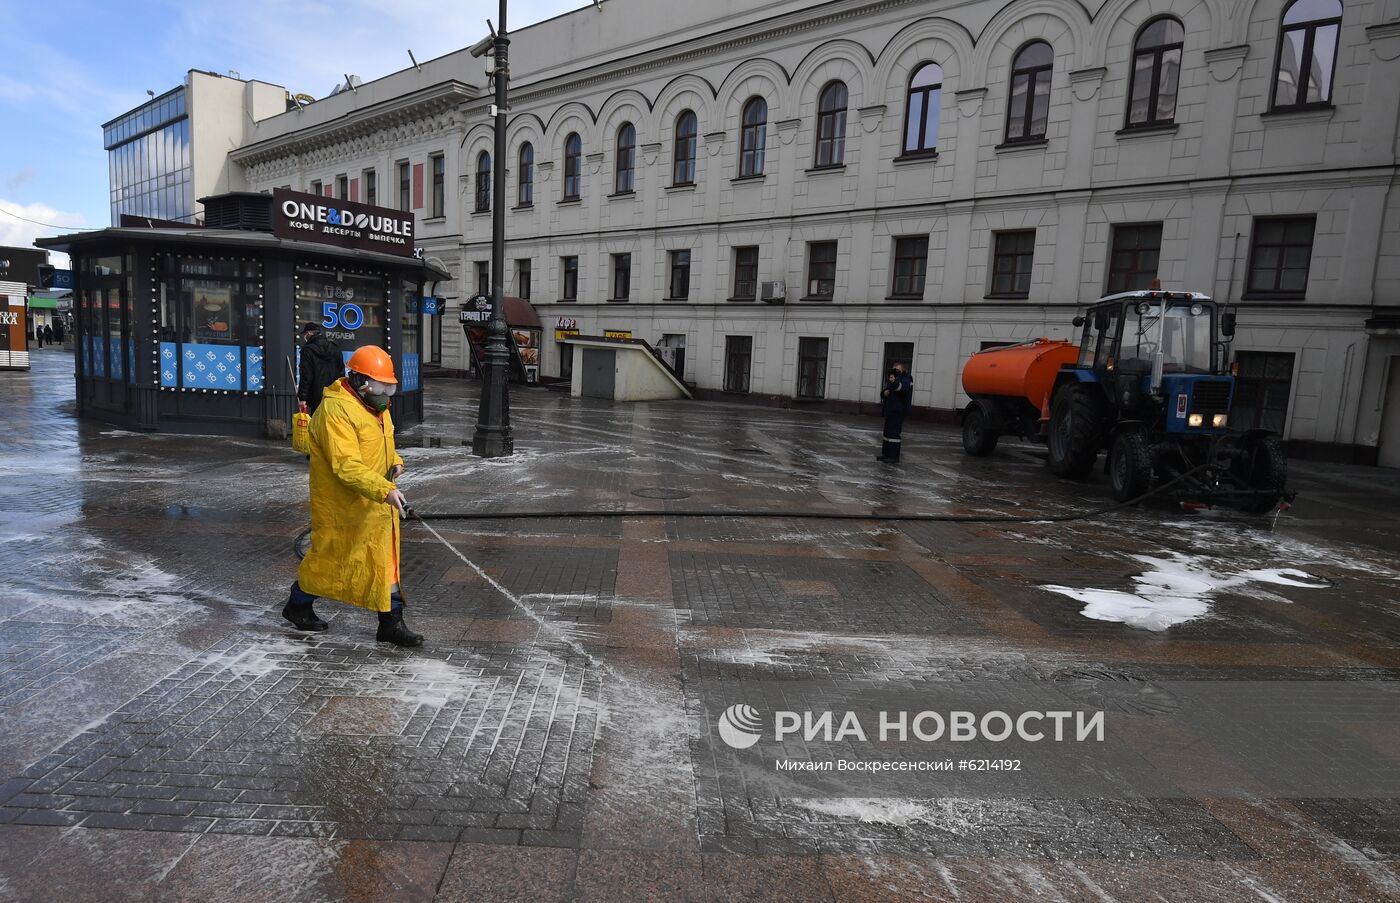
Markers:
{"x": 345, "y": 224}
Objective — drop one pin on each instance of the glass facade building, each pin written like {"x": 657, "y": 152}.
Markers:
{"x": 148, "y": 160}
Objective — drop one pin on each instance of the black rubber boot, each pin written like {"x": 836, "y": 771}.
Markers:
{"x": 298, "y": 610}
{"x": 303, "y": 617}
{"x": 392, "y": 630}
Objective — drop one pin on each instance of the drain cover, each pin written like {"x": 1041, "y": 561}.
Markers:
{"x": 660, "y": 492}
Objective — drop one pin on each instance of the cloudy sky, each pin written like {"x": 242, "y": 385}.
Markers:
{"x": 70, "y": 65}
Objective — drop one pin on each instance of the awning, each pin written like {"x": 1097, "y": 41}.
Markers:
{"x": 520, "y": 313}
{"x": 37, "y": 303}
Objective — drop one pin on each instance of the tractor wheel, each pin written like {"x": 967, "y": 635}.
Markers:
{"x": 979, "y": 439}
{"x": 1130, "y": 466}
{"x": 1264, "y": 469}
{"x": 1076, "y": 432}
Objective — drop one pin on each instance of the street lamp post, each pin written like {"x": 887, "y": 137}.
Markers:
{"x": 493, "y": 437}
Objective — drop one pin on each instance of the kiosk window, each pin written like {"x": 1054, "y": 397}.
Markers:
{"x": 211, "y": 318}
{"x": 350, "y": 307}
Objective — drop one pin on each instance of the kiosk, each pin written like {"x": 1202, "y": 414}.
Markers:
{"x": 195, "y": 329}
{"x": 524, "y": 336}
{"x": 14, "y": 326}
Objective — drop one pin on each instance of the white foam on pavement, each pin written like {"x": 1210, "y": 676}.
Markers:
{"x": 1175, "y": 589}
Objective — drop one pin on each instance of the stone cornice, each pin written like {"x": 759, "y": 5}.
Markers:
{"x": 1385, "y": 40}
{"x": 360, "y": 123}
{"x": 701, "y": 48}
{"x": 1085, "y": 82}
{"x": 969, "y": 101}
{"x": 871, "y": 117}
{"x": 1225, "y": 62}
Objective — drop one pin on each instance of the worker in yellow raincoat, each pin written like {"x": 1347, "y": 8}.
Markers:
{"x": 355, "y": 506}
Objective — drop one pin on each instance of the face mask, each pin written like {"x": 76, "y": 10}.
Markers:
{"x": 377, "y": 394}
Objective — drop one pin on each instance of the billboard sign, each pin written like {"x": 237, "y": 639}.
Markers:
{"x": 476, "y": 310}
{"x": 299, "y": 216}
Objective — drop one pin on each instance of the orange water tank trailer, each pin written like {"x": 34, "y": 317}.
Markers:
{"x": 1024, "y": 371}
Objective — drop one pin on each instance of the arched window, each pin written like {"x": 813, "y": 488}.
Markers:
{"x": 483, "y": 182}
{"x": 1028, "y": 109}
{"x": 831, "y": 125}
{"x": 1156, "y": 73}
{"x": 573, "y": 170}
{"x": 753, "y": 137}
{"x": 525, "y": 195}
{"x": 683, "y": 161}
{"x": 1307, "y": 53}
{"x": 921, "y": 112}
{"x": 626, "y": 158}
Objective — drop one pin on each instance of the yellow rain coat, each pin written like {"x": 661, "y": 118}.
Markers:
{"x": 354, "y": 553}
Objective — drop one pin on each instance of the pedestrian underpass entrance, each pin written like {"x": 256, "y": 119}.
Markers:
{"x": 623, "y": 369}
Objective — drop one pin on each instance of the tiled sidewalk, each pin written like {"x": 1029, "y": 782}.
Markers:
{"x": 166, "y": 737}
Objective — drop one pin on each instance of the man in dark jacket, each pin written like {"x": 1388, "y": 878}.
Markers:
{"x": 321, "y": 364}
{"x": 895, "y": 401}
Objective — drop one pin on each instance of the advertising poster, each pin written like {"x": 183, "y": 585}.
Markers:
{"x": 526, "y": 345}
{"x": 348, "y": 307}
{"x": 213, "y": 313}
{"x": 14, "y": 342}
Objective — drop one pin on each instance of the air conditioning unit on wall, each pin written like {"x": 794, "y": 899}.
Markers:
{"x": 773, "y": 292}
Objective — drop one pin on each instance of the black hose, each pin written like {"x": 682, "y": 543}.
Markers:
{"x": 299, "y": 544}
{"x": 816, "y": 515}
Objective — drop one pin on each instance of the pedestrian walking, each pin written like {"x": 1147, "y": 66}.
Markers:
{"x": 355, "y": 506}
{"x": 896, "y": 398}
{"x": 38, "y": 335}
{"x": 322, "y": 363}
{"x": 58, "y": 332}
{"x": 48, "y": 333}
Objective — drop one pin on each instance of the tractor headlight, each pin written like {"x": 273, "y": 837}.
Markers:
{"x": 1220, "y": 420}
{"x": 1195, "y": 420}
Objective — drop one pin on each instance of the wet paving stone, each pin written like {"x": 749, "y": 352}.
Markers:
{"x": 785, "y": 593}
{"x": 34, "y": 656}
{"x": 1369, "y": 826}
{"x": 552, "y": 738}
{"x": 328, "y": 734}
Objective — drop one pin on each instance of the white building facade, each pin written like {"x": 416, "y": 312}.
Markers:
{"x": 911, "y": 179}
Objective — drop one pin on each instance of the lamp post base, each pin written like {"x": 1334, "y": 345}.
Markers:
{"x": 493, "y": 442}
{"x": 493, "y": 438}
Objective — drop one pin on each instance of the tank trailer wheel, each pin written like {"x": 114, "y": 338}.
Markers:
{"x": 1076, "y": 433}
{"x": 1130, "y": 466}
{"x": 979, "y": 439}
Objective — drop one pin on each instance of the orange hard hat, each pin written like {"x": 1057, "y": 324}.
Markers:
{"x": 374, "y": 362}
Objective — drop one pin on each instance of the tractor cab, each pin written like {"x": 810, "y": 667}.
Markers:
{"x": 1124, "y": 332}
{"x": 1159, "y": 356}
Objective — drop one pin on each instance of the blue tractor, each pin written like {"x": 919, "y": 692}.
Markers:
{"x": 1151, "y": 386}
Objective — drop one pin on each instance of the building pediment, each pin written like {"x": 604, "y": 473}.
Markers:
{"x": 361, "y": 124}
